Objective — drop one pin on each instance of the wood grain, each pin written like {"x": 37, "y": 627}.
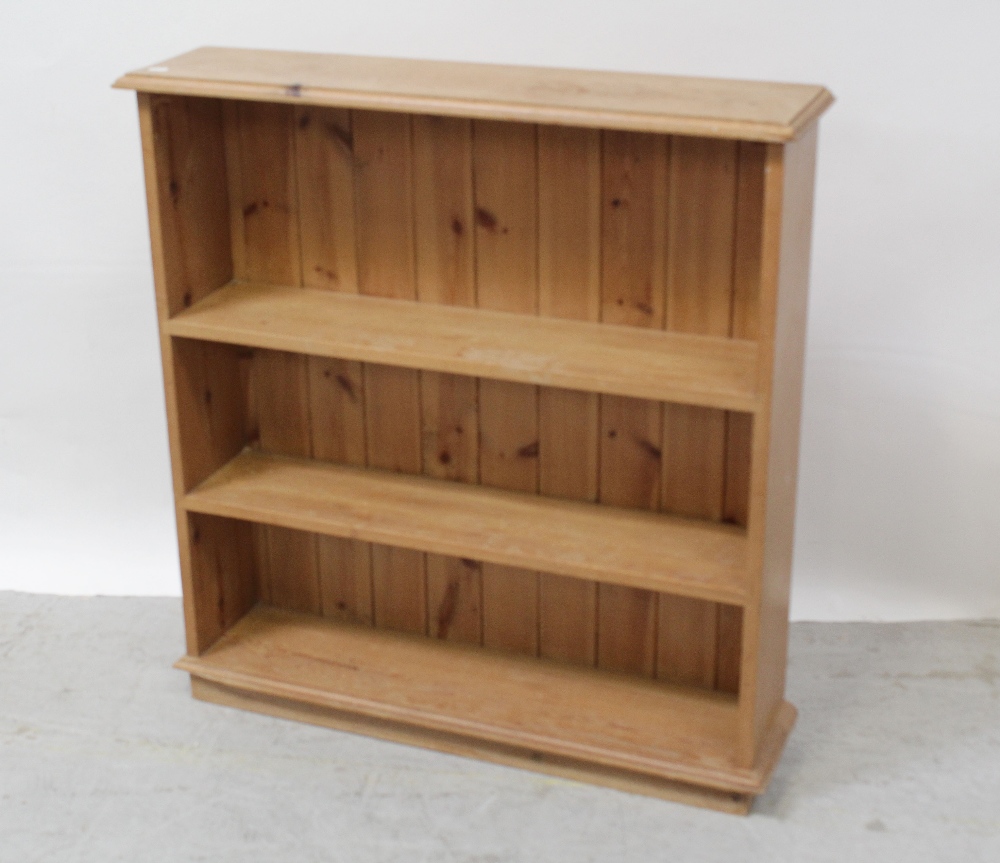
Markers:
{"x": 190, "y": 183}
{"x": 266, "y": 246}
{"x": 569, "y": 263}
{"x": 263, "y": 193}
{"x": 224, "y": 570}
{"x": 506, "y": 211}
{"x": 700, "y": 243}
{"x": 386, "y": 268}
{"x": 324, "y": 154}
{"x": 209, "y": 396}
{"x": 184, "y": 157}
{"x": 337, "y": 419}
{"x": 443, "y": 216}
{"x": 324, "y": 164}
{"x": 287, "y": 561}
{"x": 633, "y": 205}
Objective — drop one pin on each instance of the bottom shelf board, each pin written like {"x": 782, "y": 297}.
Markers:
{"x": 544, "y": 709}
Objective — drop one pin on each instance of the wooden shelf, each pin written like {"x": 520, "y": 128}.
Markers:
{"x": 619, "y": 360}
{"x": 619, "y": 546}
{"x": 614, "y": 720}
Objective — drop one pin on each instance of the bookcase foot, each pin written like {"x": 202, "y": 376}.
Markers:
{"x": 453, "y": 744}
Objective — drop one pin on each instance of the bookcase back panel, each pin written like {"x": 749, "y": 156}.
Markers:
{"x": 618, "y": 227}
{"x": 624, "y": 227}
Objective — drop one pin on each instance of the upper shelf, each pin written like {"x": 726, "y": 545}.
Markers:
{"x": 708, "y": 107}
{"x": 618, "y": 360}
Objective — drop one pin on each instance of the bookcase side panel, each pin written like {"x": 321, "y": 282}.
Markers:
{"x": 186, "y": 153}
{"x": 184, "y": 162}
{"x": 784, "y": 294}
{"x": 224, "y": 573}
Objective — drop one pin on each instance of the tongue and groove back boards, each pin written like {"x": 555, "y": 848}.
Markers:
{"x": 569, "y": 286}
{"x": 443, "y": 222}
{"x": 325, "y": 180}
{"x": 574, "y": 223}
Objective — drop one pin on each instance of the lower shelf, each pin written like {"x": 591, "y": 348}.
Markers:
{"x": 648, "y": 550}
{"x": 611, "y": 728}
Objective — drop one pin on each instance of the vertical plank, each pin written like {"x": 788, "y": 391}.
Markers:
{"x": 324, "y": 162}
{"x": 508, "y": 458}
{"x": 443, "y": 210}
{"x": 699, "y": 300}
{"x": 569, "y": 286}
{"x": 506, "y": 237}
{"x": 747, "y": 241}
{"x": 325, "y": 182}
{"x": 633, "y": 206}
{"x": 184, "y": 161}
{"x": 700, "y": 245}
{"x": 443, "y": 218}
{"x": 289, "y": 576}
{"x": 451, "y": 451}
{"x": 266, "y": 247}
{"x": 337, "y": 420}
{"x": 260, "y": 149}
{"x": 629, "y": 476}
{"x": 634, "y": 185}
{"x": 209, "y": 399}
{"x": 383, "y": 184}
{"x": 739, "y": 428}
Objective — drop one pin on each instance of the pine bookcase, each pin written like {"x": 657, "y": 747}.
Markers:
{"x": 483, "y": 387}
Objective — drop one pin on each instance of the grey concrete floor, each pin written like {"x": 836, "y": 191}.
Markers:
{"x": 105, "y": 757}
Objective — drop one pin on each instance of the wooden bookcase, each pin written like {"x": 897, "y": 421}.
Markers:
{"x": 483, "y": 390}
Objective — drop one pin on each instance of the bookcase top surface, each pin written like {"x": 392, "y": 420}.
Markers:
{"x": 707, "y": 107}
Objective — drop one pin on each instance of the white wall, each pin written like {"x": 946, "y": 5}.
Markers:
{"x": 899, "y": 513}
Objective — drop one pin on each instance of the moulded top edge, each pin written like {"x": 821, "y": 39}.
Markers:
{"x": 709, "y": 107}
